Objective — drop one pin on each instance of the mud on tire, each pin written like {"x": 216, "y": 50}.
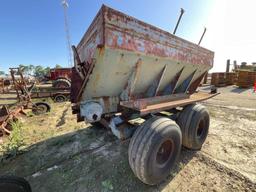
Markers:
{"x": 154, "y": 148}
{"x": 194, "y": 122}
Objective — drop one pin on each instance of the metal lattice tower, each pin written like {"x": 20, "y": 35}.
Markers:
{"x": 65, "y": 7}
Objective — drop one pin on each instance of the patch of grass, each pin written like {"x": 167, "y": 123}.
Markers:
{"x": 15, "y": 141}
{"x": 63, "y": 141}
{"x": 107, "y": 185}
{"x": 30, "y": 114}
{"x": 181, "y": 165}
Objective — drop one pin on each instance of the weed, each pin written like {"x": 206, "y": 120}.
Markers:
{"x": 181, "y": 165}
{"x": 30, "y": 114}
{"x": 173, "y": 174}
{"x": 15, "y": 141}
{"x": 107, "y": 185}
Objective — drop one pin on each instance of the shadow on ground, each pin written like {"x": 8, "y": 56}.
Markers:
{"x": 89, "y": 159}
{"x": 239, "y": 90}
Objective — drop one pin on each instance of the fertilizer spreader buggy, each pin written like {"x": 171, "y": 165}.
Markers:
{"x": 127, "y": 69}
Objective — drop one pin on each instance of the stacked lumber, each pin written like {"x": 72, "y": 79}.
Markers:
{"x": 246, "y": 79}
{"x": 218, "y": 79}
{"x": 231, "y": 78}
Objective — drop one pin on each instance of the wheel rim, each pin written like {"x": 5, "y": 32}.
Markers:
{"x": 60, "y": 99}
{"x": 164, "y": 153}
{"x": 40, "y": 109}
{"x": 62, "y": 85}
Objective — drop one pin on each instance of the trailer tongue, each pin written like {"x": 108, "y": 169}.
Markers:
{"x": 124, "y": 69}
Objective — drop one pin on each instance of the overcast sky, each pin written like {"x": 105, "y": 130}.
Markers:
{"x": 32, "y": 31}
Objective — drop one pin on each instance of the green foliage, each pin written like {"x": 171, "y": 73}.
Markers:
{"x": 2, "y": 73}
{"x": 15, "y": 141}
{"x": 58, "y": 66}
{"x": 27, "y": 69}
{"x": 47, "y": 70}
{"x": 37, "y": 71}
{"x": 107, "y": 185}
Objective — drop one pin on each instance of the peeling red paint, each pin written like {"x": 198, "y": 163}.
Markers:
{"x": 114, "y": 29}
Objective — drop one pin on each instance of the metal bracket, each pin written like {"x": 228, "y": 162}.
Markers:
{"x": 77, "y": 62}
{"x": 153, "y": 89}
{"x": 86, "y": 79}
{"x": 127, "y": 93}
{"x": 183, "y": 87}
{"x": 169, "y": 89}
{"x": 192, "y": 87}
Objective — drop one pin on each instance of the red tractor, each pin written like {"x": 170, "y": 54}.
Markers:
{"x": 61, "y": 77}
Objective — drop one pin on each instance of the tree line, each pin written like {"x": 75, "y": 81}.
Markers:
{"x": 34, "y": 70}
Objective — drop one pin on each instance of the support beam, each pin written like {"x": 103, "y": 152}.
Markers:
{"x": 193, "y": 86}
{"x": 154, "y": 87}
{"x": 171, "y": 86}
{"x": 182, "y": 88}
{"x": 127, "y": 93}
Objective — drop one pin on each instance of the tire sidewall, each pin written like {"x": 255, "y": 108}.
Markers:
{"x": 156, "y": 173}
{"x": 63, "y": 98}
{"x": 202, "y": 115}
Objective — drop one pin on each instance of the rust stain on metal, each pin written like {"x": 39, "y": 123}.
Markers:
{"x": 101, "y": 49}
{"x": 117, "y": 30}
{"x": 6, "y": 117}
{"x": 143, "y": 103}
{"x": 75, "y": 85}
{"x": 119, "y": 44}
{"x": 96, "y": 79}
{"x": 154, "y": 87}
{"x": 106, "y": 102}
{"x": 135, "y": 35}
{"x": 192, "y": 88}
{"x": 196, "y": 97}
{"x": 127, "y": 93}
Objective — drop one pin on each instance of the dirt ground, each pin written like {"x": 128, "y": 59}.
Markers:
{"x": 62, "y": 155}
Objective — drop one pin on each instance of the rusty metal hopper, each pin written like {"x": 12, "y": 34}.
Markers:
{"x": 125, "y": 69}
{"x": 121, "y": 58}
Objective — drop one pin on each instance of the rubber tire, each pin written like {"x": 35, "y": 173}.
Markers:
{"x": 14, "y": 184}
{"x": 48, "y": 108}
{"x": 144, "y": 146}
{"x": 61, "y": 83}
{"x": 96, "y": 124}
{"x": 56, "y": 100}
{"x": 189, "y": 120}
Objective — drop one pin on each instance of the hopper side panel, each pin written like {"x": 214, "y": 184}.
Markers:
{"x": 92, "y": 38}
{"x": 124, "y": 32}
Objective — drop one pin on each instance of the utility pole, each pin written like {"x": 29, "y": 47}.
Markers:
{"x": 65, "y": 7}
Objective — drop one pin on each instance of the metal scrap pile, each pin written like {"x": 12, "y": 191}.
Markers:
{"x": 7, "y": 117}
